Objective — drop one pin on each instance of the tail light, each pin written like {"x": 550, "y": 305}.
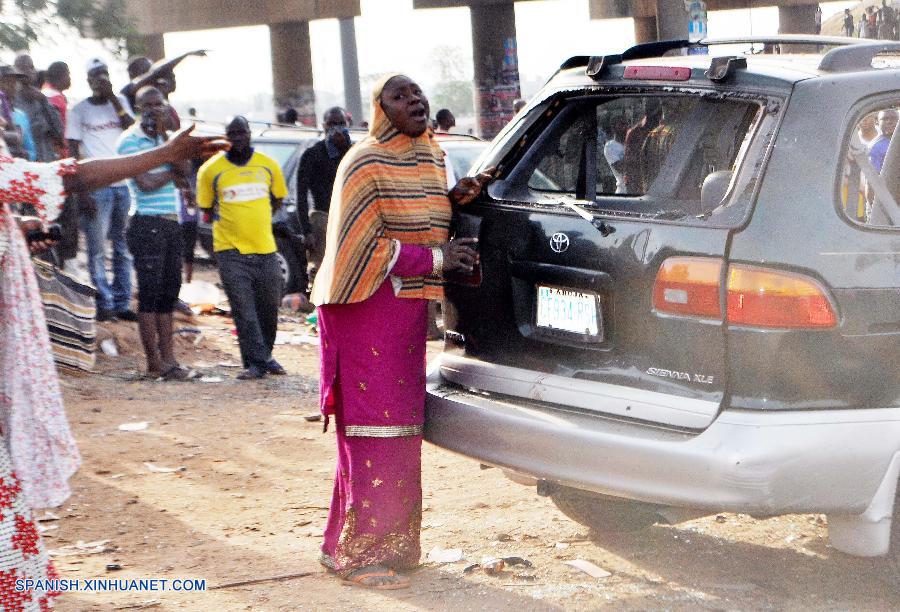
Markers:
{"x": 689, "y": 286}
{"x": 767, "y": 298}
{"x": 755, "y": 296}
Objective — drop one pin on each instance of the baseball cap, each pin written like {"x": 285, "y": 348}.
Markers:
{"x": 95, "y": 64}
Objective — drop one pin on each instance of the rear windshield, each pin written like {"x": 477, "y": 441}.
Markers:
{"x": 658, "y": 155}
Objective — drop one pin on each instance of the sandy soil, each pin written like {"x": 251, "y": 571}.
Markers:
{"x": 251, "y": 500}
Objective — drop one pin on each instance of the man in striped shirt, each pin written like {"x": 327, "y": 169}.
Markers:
{"x": 154, "y": 236}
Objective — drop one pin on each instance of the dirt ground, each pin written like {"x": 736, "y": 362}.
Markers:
{"x": 253, "y": 481}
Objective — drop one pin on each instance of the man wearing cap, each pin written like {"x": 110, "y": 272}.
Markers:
{"x": 18, "y": 129}
{"x": 93, "y": 129}
{"x": 46, "y": 124}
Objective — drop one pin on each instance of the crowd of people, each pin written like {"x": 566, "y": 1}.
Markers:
{"x": 881, "y": 23}
{"x": 380, "y": 251}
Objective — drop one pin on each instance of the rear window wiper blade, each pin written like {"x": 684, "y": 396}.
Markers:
{"x": 602, "y": 226}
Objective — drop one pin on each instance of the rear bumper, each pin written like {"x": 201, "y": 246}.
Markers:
{"x": 830, "y": 461}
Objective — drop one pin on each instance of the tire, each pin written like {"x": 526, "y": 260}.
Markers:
{"x": 290, "y": 267}
{"x": 602, "y": 513}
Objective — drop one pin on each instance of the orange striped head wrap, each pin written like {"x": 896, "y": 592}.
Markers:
{"x": 390, "y": 189}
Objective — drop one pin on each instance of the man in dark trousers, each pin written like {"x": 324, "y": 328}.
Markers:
{"x": 238, "y": 191}
{"x": 318, "y": 167}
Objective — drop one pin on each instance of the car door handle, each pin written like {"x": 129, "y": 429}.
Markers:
{"x": 560, "y": 275}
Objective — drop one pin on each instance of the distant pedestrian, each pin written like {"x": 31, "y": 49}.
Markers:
{"x": 315, "y": 176}
{"x": 93, "y": 129}
{"x": 238, "y": 190}
{"x": 46, "y": 123}
{"x": 519, "y": 104}
{"x": 290, "y": 116}
{"x": 818, "y": 19}
{"x": 143, "y": 73}
{"x": 154, "y": 236}
{"x": 887, "y": 123}
{"x": 445, "y": 120}
{"x": 848, "y": 28}
{"x": 57, "y": 80}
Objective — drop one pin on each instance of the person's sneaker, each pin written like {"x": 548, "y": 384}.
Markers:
{"x": 106, "y": 315}
{"x": 126, "y": 315}
{"x": 251, "y": 373}
{"x": 273, "y": 367}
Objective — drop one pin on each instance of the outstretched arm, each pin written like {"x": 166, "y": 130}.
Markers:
{"x": 95, "y": 173}
{"x": 161, "y": 67}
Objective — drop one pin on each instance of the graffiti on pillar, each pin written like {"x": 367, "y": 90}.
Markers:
{"x": 696, "y": 10}
{"x": 302, "y": 100}
{"x": 498, "y": 91}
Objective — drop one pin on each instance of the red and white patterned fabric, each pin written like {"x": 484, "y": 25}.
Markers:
{"x": 32, "y": 418}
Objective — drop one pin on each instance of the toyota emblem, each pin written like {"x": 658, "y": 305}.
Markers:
{"x": 559, "y": 242}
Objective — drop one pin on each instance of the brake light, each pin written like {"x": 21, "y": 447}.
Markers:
{"x": 657, "y": 73}
{"x": 769, "y": 298}
{"x": 689, "y": 286}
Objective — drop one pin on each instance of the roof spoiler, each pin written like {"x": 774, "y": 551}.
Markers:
{"x": 596, "y": 64}
{"x": 855, "y": 57}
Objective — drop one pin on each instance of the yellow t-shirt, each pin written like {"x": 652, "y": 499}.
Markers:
{"x": 243, "y": 196}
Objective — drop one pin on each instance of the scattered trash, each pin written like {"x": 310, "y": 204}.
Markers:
{"x": 228, "y": 364}
{"x": 211, "y": 379}
{"x": 113, "y": 567}
{"x": 138, "y": 426}
{"x": 562, "y": 545}
{"x": 494, "y": 565}
{"x": 109, "y": 347}
{"x": 163, "y": 470}
{"x": 504, "y": 537}
{"x": 304, "y": 339}
{"x": 720, "y": 518}
{"x": 312, "y": 319}
{"x": 282, "y": 337}
{"x": 312, "y": 418}
{"x": 82, "y": 548}
{"x": 589, "y": 568}
{"x": 201, "y": 296}
{"x": 47, "y": 516}
{"x": 444, "y": 555}
{"x": 42, "y": 529}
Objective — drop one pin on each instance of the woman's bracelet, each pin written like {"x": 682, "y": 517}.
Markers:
{"x": 437, "y": 261}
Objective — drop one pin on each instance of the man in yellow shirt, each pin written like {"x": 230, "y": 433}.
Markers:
{"x": 238, "y": 190}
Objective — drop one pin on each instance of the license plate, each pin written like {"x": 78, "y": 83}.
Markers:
{"x": 567, "y": 310}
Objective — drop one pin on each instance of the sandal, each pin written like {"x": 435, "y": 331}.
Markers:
{"x": 359, "y": 579}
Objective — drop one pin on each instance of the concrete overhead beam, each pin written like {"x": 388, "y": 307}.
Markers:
{"x": 432, "y": 4}
{"x": 612, "y": 9}
{"x": 161, "y": 16}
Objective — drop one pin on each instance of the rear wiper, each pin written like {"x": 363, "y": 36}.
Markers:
{"x": 602, "y": 226}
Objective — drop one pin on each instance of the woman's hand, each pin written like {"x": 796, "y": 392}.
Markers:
{"x": 460, "y": 254}
{"x": 182, "y": 145}
{"x": 468, "y": 188}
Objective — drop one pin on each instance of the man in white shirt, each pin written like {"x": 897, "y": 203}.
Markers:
{"x": 92, "y": 130}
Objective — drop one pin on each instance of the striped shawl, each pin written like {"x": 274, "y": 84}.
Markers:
{"x": 389, "y": 187}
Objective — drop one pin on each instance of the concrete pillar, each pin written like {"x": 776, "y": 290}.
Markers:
{"x": 644, "y": 29}
{"x": 148, "y": 45}
{"x": 352, "y": 96}
{"x": 495, "y": 53}
{"x": 799, "y": 19}
{"x": 671, "y": 20}
{"x": 292, "y": 76}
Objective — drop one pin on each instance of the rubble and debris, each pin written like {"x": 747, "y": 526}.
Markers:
{"x": 589, "y": 568}
{"x": 137, "y": 426}
{"x": 444, "y": 555}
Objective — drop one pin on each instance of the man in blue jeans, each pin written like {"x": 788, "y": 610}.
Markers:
{"x": 92, "y": 130}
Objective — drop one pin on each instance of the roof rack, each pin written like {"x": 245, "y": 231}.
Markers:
{"x": 855, "y": 57}
{"x": 597, "y": 63}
